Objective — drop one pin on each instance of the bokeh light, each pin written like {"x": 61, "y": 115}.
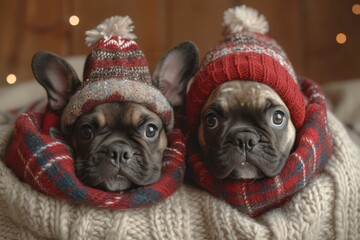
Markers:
{"x": 341, "y": 38}
{"x": 356, "y": 9}
{"x": 11, "y": 79}
{"x": 74, "y": 20}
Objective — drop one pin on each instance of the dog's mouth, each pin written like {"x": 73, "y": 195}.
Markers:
{"x": 235, "y": 164}
{"x": 102, "y": 172}
{"x": 115, "y": 183}
{"x": 241, "y": 163}
{"x": 140, "y": 172}
{"x": 246, "y": 169}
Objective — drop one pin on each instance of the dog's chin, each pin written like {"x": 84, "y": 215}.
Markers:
{"x": 236, "y": 165}
{"x": 117, "y": 183}
{"x": 246, "y": 171}
{"x": 122, "y": 183}
{"x": 103, "y": 175}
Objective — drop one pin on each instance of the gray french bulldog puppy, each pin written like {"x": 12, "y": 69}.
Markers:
{"x": 245, "y": 131}
{"x": 117, "y": 146}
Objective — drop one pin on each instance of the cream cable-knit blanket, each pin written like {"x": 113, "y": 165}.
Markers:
{"x": 329, "y": 208}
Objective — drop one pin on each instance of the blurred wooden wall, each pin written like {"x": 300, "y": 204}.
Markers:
{"x": 306, "y": 29}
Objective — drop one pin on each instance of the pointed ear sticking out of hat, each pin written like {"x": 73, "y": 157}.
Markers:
{"x": 57, "y": 77}
{"x": 115, "y": 70}
{"x": 247, "y": 54}
{"x": 174, "y": 71}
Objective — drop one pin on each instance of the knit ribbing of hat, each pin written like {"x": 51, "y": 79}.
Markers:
{"x": 249, "y": 42}
{"x": 117, "y": 90}
{"x": 245, "y": 66}
{"x": 116, "y": 57}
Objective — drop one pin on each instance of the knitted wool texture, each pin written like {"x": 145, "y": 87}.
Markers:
{"x": 116, "y": 70}
{"x": 39, "y": 157}
{"x": 314, "y": 147}
{"x": 328, "y": 208}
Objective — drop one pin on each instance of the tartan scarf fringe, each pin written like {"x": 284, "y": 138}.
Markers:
{"x": 314, "y": 147}
{"x": 39, "y": 157}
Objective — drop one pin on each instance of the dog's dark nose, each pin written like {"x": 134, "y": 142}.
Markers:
{"x": 245, "y": 140}
{"x": 120, "y": 153}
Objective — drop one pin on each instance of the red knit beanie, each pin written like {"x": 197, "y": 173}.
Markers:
{"x": 247, "y": 54}
{"x": 116, "y": 70}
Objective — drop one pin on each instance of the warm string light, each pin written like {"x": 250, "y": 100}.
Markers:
{"x": 356, "y": 9}
{"x": 341, "y": 38}
{"x": 74, "y": 20}
{"x": 11, "y": 79}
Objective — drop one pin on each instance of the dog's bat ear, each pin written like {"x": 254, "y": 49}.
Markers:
{"x": 175, "y": 70}
{"x": 57, "y": 77}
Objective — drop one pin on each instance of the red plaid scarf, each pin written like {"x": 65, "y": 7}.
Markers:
{"x": 39, "y": 157}
{"x": 314, "y": 148}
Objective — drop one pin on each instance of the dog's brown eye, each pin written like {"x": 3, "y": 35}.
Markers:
{"x": 278, "y": 118}
{"x": 151, "y": 131}
{"x": 86, "y": 132}
{"x": 211, "y": 121}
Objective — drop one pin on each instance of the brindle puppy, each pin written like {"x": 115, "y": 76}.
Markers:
{"x": 119, "y": 151}
{"x": 117, "y": 146}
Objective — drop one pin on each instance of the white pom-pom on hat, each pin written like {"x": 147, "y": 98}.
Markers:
{"x": 113, "y": 26}
{"x": 243, "y": 18}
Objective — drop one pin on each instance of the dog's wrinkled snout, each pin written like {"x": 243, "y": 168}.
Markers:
{"x": 120, "y": 153}
{"x": 245, "y": 140}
